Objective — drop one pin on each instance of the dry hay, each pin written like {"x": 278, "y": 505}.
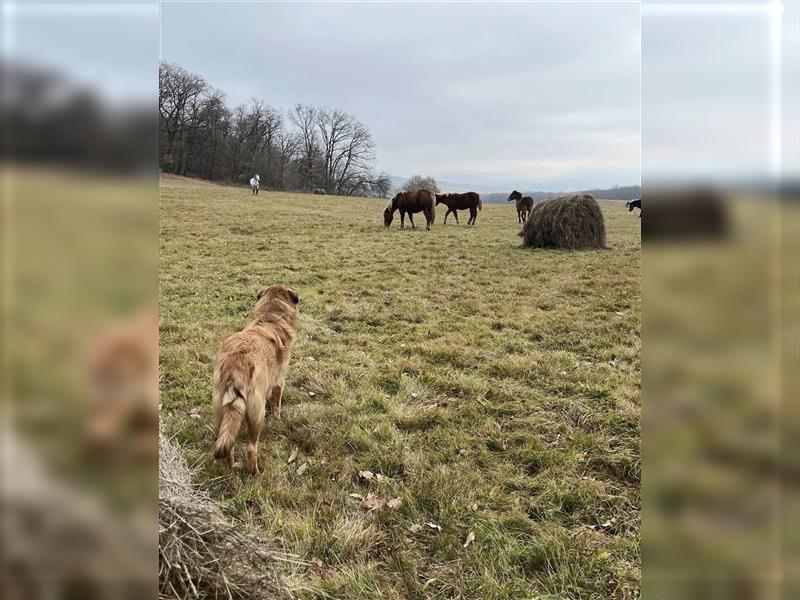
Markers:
{"x": 569, "y": 222}
{"x": 202, "y": 554}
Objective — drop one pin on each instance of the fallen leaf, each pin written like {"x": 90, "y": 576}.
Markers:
{"x": 371, "y": 502}
{"x": 255, "y": 507}
{"x": 414, "y": 395}
{"x": 554, "y": 442}
{"x": 470, "y": 539}
{"x": 408, "y": 540}
{"x": 608, "y": 523}
{"x": 293, "y": 456}
{"x": 302, "y": 468}
{"x": 434, "y": 526}
{"x": 415, "y": 528}
{"x": 311, "y": 394}
{"x": 321, "y": 568}
{"x": 368, "y": 475}
{"x": 394, "y": 503}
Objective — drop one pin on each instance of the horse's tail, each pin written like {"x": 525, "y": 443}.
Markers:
{"x": 480, "y": 203}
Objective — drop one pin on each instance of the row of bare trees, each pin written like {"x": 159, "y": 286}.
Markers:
{"x": 310, "y": 147}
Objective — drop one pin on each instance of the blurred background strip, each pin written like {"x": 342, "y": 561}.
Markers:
{"x": 720, "y": 282}
{"x": 80, "y": 338}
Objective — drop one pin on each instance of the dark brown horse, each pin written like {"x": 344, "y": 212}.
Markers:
{"x": 456, "y": 202}
{"x": 524, "y": 205}
{"x": 411, "y": 202}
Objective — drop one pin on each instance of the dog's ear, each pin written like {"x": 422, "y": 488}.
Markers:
{"x": 261, "y": 293}
{"x": 293, "y": 296}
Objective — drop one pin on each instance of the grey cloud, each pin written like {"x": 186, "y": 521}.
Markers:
{"x": 530, "y": 93}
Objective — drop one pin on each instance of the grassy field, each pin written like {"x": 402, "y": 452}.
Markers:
{"x": 493, "y": 391}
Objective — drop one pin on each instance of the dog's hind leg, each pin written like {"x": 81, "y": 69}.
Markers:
{"x": 256, "y": 408}
{"x": 275, "y": 400}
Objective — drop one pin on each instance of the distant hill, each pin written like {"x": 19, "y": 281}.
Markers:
{"x": 625, "y": 192}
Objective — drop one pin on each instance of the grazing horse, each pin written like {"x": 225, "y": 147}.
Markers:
{"x": 524, "y": 205}
{"x": 255, "y": 181}
{"x": 456, "y": 202}
{"x": 635, "y": 204}
{"x": 411, "y": 202}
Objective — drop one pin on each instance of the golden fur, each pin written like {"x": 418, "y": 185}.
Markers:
{"x": 250, "y": 370}
{"x": 122, "y": 387}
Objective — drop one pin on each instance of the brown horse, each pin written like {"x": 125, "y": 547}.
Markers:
{"x": 524, "y": 205}
{"x": 411, "y": 202}
{"x": 456, "y": 202}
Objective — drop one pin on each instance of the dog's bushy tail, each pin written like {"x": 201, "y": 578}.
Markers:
{"x": 233, "y": 408}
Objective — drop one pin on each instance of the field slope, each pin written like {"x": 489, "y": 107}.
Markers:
{"x": 494, "y": 390}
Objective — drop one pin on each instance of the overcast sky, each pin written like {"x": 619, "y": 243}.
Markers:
{"x": 535, "y": 96}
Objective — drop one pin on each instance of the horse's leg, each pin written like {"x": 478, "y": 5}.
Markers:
{"x": 429, "y": 214}
{"x": 411, "y": 218}
{"x": 402, "y": 219}
{"x": 455, "y": 214}
{"x": 473, "y": 214}
{"x": 449, "y": 210}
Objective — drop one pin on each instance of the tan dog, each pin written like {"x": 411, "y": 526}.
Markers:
{"x": 250, "y": 371}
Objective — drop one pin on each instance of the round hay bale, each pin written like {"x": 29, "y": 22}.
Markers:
{"x": 568, "y": 222}
{"x": 203, "y": 554}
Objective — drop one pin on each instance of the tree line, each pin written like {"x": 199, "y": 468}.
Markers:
{"x": 306, "y": 148}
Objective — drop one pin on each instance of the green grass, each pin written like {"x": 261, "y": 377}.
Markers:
{"x": 495, "y": 389}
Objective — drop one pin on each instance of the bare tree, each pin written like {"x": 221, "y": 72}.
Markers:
{"x": 288, "y": 145}
{"x": 381, "y": 186}
{"x": 347, "y": 154}
{"x": 304, "y": 117}
{"x": 312, "y": 147}
{"x": 418, "y": 182}
{"x": 179, "y": 99}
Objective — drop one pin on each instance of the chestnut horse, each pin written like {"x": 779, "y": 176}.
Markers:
{"x": 524, "y": 205}
{"x": 456, "y": 202}
{"x": 411, "y": 202}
